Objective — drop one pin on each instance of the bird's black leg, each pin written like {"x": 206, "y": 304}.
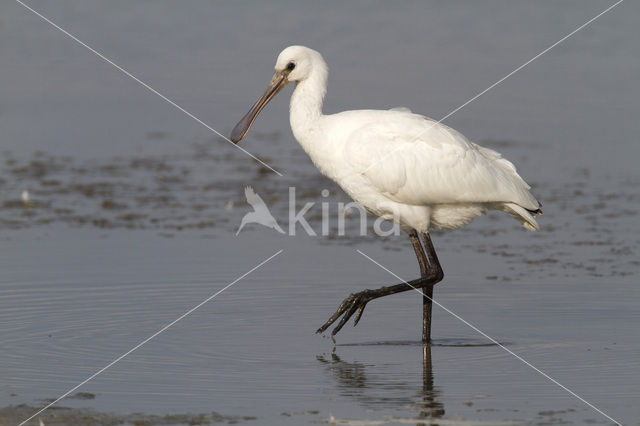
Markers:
{"x": 430, "y": 274}
{"x": 435, "y": 270}
{"x": 427, "y": 291}
{"x": 422, "y": 258}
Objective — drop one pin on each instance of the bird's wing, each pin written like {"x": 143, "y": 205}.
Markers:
{"x": 252, "y": 197}
{"x": 258, "y": 204}
{"x": 416, "y": 160}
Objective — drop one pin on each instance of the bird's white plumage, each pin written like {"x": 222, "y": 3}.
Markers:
{"x": 401, "y": 165}
{"x": 418, "y": 161}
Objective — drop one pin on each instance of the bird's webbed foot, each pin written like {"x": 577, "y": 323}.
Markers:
{"x": 353, "y": 304}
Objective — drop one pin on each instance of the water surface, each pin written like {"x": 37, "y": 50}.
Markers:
{"x": 133, "y": 210}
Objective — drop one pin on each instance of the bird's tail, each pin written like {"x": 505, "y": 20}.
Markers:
{"x": 523, "y": 215}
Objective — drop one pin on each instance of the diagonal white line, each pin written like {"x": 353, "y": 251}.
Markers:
{"x": 152, "y": 336}
{"x": 145, "y": 85}
{"x": 433, "y": 122}
{"x": 529, "y": 61}
{"x": 495, "y": 341}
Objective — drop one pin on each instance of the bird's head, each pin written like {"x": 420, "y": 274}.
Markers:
{"x": 294, "y": 64}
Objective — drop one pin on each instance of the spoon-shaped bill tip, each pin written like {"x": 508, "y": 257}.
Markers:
{"x": 240, "y": 130}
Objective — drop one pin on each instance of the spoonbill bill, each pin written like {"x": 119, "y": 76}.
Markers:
{"x": 399, "y": 166}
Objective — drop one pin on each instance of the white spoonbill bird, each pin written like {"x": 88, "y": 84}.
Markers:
{"x": 399, "y": 166}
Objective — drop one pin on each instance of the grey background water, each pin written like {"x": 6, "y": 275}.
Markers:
{"x": 134, "y": 207}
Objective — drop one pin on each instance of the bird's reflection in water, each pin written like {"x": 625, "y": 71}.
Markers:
{"x": 430, "y": 408}
{"x": 376, "y": 391}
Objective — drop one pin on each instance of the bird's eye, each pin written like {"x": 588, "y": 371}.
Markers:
{"x": 291, "y": 66}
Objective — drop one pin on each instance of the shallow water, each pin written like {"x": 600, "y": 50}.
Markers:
{"x": 252, "y": 351}
{"x": 133, "y": 210}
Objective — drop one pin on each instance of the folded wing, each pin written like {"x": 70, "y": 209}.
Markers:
{"x": 415, "y": 160}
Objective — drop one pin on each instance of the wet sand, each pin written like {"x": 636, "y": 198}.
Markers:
{"x": 60, "y": 415}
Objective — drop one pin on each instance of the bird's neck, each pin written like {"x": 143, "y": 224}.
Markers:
{"x": 306, "y": 105}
